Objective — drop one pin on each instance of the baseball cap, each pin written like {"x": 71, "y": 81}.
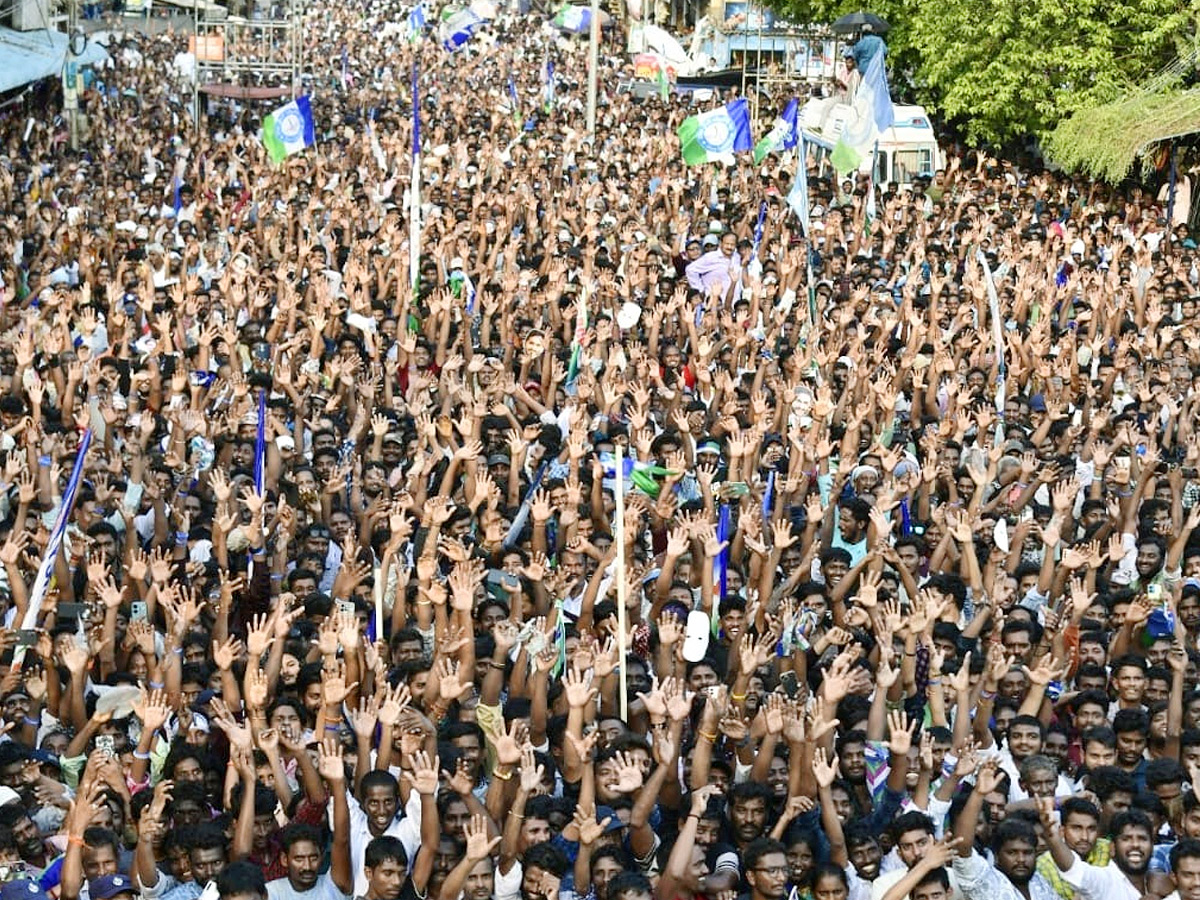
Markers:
{"x": 107, "y": 886}
{"x": 23, "y": 889}
{"x": 607, "y": 812}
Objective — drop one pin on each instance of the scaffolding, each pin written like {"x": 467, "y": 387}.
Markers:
{"x": 252, "y": 50}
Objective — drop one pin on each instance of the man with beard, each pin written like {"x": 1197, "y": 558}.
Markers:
{"x": 1081, "y": 832}
{"x": 748, "y": 806}
{"x": 766, "y": 869}
{"x": 1124, "y": 878}
{"x": 1014, "y": 843}
{"x": 302, "y": 852}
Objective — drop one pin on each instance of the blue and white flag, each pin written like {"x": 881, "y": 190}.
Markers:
{"x": 797, "y": 198}
{"x": 417, "y": 22}
{"x": 46, "y": 569}
{"x": 549, "y": 77}
{"x": 575, "y": 19}
{"x": 289, "y": 129}
{"x": 459, "y": 28}
{"x": 784, "y": 134}
{"x": 260, "y": 446}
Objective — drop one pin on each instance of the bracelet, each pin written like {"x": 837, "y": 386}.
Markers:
{"x": 156, "y": 685}
{"x": 138, "y": 754}
{"x": 178, "y": 651}
{"x": 906, "y": 653}
{"x": 934, "y": 681}
{"x": 711, "y": 738}
{"x": 658, "y": 724}
{"x": 424, "y": 603}
{"x": 277, "y": 576}
{"x": 44, "y": 462}
{"x": 492, "y": 663}
{"x": 507, "y": 777}
{"x": 987, "y": 695}
{"x": 695, "y": 816}
{"x": 516, "y": 815}
{"x": 737, "y": 698}
{"x": 34, "y": 723}
{"x": 77, "y": 841}
{"x": 181, "y": 536}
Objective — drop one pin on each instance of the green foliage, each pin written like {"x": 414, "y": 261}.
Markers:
{"x": 1005, "y": 69}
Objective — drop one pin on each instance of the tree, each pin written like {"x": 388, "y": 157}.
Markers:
{"x": 1006, "y": 69}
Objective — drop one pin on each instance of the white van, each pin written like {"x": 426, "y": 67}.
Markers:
{"x": 907, "y": 150}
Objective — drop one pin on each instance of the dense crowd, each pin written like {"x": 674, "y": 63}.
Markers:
{"x": 910, "y": 602}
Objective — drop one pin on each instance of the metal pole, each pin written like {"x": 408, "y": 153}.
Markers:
{"x": 593, "y": 66}
{"x": 622, "y": 626}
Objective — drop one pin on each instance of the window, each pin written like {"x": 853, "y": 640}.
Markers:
{"x": 911, "y": 163}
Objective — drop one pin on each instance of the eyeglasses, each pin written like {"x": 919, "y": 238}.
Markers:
{"x": 772, "y": 870}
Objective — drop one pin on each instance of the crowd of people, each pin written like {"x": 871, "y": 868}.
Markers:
{"x": 909, "y": 596}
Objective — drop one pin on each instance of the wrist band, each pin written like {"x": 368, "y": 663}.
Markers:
{"x": 503, "y": 777}
{"x": 987, "y": 695}
{"x": 45, "y": 461}
{"x": 33, "y": 722}
{"x": 138, "y": 754}
{"x": 156, "y": 685}
{"x": 934, "y": 681}
{"x": 277, "y": 576}
{"x": 332, "y": 728}
{"x": 181, "y": 536}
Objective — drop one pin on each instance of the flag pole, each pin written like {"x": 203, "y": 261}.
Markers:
{"x": 414, "y": 212}
{"x": 593, "y": 74}
{"x": 621, "y": 587}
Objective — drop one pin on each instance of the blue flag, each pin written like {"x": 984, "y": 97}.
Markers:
{"x": 416, "y": 112}
{"x": 797, "y": 198}
{"x": 260, "y": 445}
{"x": 417, "y": 22}
{"x": 724, "y": 519}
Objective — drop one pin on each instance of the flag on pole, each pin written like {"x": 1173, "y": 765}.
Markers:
{"x": 289, "y": 129}
{"x": 642, "y": 475}
{"x": 581, "y": 325}
{"x": 784, "y": 134}
{"x": 46, "y": 570}
{"x": 724, "y": 523}
{"x": 560, "y": 639}
{"x": 459, "y": 28}
{"x": 516, "y": 102}
{"x": 548, "y": 74}
{"x": 260, "y": 446}
{"x": 345, "y": 70}
{"x": 417, "y": 22}
{"x": 716, "y": 135}
{"x": 797, "y": 198}
{"x": 664, "y": 84}
{"x": 575, "y": 19}
{"x": 871, "y": 114}
{"x": 177, "y": 195}
{"x": 414, "y": 198}
{"x": 758, "y": 228}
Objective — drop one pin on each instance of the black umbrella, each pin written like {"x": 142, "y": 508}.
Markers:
{"x": 860, "y": 21}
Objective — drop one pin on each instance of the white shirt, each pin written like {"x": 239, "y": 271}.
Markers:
{"x": 978, "y": 879}
{"x": 408, "y": 830}
{"x": 1099, "y": 882}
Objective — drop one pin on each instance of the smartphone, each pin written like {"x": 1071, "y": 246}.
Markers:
{"x": 1154, "y": 592}
{"x": 106, "y": 745}
{"x": 137, "y": 611}
{"x": 73, "y": 611}
{"x": 27, "y": 637}
{"x": 346, "y": 606}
